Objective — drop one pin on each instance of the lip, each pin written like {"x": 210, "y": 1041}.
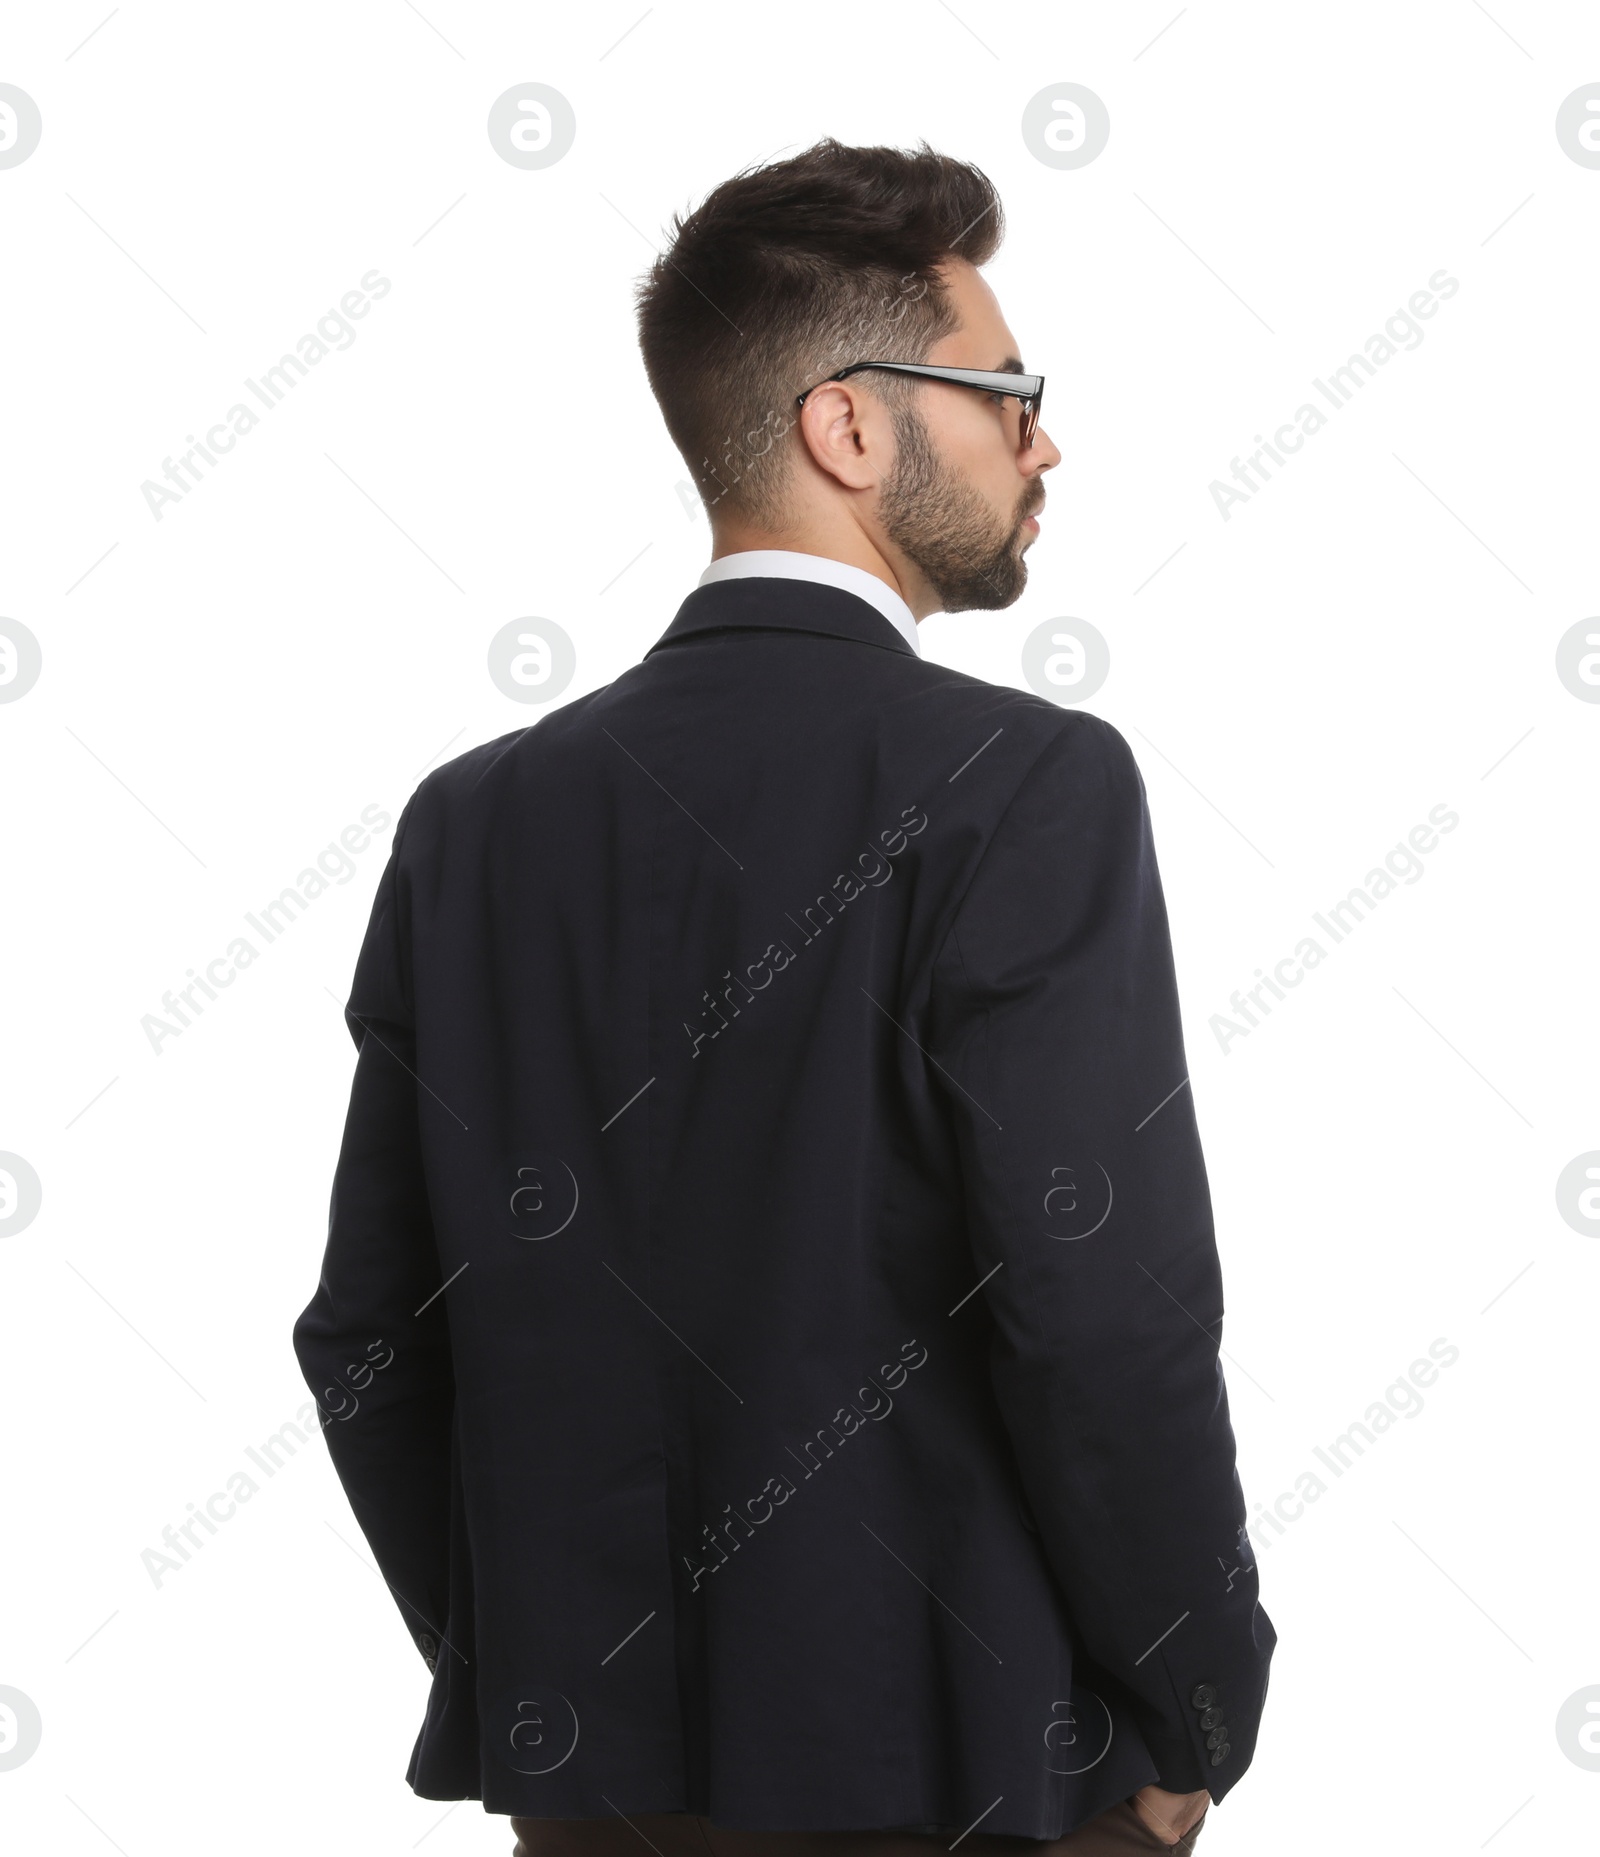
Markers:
{"x": 1031, "y": 522}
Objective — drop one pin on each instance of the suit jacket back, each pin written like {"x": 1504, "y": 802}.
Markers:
{"x": 768, "y": 1331}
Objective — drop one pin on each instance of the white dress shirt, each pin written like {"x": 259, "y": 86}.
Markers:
{"x": 783, "y": 564}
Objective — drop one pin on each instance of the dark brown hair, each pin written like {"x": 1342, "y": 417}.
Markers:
{"x": 787, "y": 271}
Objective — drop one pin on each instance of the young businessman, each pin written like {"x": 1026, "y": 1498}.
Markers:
{"x": 769, "y": 1325}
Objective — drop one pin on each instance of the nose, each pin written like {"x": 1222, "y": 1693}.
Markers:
{"x": 1042, "y": 455}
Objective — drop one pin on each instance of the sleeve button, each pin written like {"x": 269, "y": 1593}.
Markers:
{"x": 1220, "y": 1754}
{"x": 1204, "y": 1696}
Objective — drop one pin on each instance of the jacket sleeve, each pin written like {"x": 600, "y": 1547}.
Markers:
{"x": 1054, "y": 1020}
{"x": 373, "y": 1343}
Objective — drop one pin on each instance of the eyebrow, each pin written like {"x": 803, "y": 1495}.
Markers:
{"x": 1011, "y": 365}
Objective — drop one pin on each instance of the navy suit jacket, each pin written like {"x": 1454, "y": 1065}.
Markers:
{"x": 768, "y": 1331}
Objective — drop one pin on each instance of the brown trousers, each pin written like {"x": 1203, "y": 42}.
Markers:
{"x": 1119, "y": 1832}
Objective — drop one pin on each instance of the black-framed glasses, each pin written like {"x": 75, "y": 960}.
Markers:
{"x": 1028, "y": 388}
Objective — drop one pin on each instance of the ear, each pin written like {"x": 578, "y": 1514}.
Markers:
{"x": 847, "y": 434}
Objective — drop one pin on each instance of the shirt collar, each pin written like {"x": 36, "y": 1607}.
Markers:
{"x": 785, "y": 564}
{"x": 750, "y": 603}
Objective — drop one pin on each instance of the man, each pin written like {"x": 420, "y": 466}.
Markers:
{"x": 769, "y": 1325}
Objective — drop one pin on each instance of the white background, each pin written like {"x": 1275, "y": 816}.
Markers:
{"x": 1373, "y": 634}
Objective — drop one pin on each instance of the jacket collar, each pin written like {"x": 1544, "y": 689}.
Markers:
{"x": 775, "y": 604}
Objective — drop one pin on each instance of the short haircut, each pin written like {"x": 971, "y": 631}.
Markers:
{"x": 791, "y": 269}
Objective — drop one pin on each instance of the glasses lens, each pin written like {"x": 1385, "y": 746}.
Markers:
{"x": 1030, "y": 422}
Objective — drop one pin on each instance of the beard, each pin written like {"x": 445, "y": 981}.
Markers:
{"x": 968, "y": 554}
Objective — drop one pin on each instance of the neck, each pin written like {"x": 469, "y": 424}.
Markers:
{"x": 846, "y": 543}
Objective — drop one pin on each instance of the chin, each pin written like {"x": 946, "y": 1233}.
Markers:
{"x": 985, "y": 600}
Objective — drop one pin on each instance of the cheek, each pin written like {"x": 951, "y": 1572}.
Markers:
{"x": 969, "y": 442}
{"x": 982, "y": 461}
{"x": 973, "y": 451}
